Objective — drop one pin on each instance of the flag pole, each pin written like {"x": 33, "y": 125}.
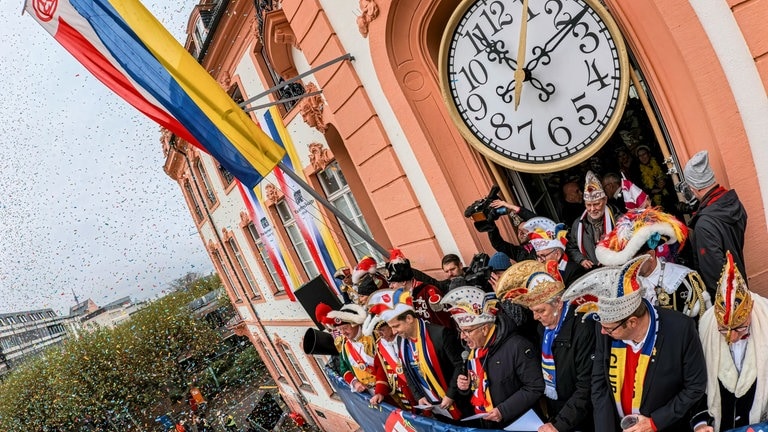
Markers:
{"x": 343, "y": 218}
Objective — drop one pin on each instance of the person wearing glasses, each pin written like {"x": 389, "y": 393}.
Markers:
{"x": 734, "y": 335}
{"x": 567, "y": 343}
{"x": 549, "y": 240}
{"x": 502, "y": 374}
{"x": 649, "y": 372}
{"x": 429, "y": 356}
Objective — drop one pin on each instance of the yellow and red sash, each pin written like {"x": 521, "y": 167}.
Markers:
{"x": 393, "y": 367}
{"x": 360, "y": 361}
{"x": 481, "y": 393}
{"x": 617, "y": 371}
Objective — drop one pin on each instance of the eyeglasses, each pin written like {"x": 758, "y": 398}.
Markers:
{"x": 469, "y": 331}
{"x": 620, "y": 324}
{"x": 739, "y": 329}
{"x": 543, "y": 257}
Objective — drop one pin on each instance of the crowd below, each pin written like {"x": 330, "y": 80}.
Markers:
{"x": 593, "y": 325}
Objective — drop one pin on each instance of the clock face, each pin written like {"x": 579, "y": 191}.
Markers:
{"x": 573, "y": 73}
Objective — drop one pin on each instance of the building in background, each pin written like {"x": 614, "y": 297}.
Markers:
{"x": 109, "y": 315}
{"x": 25, "y": 334}
{"x": 368, "y": 129}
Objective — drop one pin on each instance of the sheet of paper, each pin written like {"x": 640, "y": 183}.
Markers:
{"x": 527, "y": 422}
{"x": 476, "y": 416}
{"x": 424, "y": 407}
{"x": 437, "y": 410}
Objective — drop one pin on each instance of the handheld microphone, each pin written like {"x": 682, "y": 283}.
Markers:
{"x": 464, "y": 357}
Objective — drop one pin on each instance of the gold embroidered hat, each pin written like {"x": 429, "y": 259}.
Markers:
{"x": 733, "y": 302}
{"x": 541, "y": 286}
{"x": 469, "y": 306}
{"x": 515, "y": 277}
{"x": 613, "y": 292}
{"x": 593, "y": 189}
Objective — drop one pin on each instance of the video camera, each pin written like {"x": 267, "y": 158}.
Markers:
{"x": 482, "y": 214}
{"x": 479, "y": 272}
{"x": 691, "y": 203}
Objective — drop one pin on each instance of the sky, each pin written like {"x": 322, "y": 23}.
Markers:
{"x": 84, "y": 203}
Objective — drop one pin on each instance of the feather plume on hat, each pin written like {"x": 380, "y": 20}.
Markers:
{"x": 321, "y": 315}
{"x": 733, "y": 301}
{"x": 617, "y": 291}
{"x": 650, "y": 227}
{"x": 366, "y": 265}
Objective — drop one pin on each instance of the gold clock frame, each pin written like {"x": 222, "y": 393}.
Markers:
{"x": 547, "y": 167}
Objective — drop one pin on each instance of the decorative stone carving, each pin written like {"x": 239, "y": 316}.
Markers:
{"x": 312, "y": 109}
{"x": 319, "y": 156}
{"x": 245, "y": 218}
{"x": 369, "y": 11}
{"x": 272, "y": 193}
{"x": 225, "y": 80}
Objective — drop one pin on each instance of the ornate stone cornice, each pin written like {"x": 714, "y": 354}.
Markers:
{"x": 312, "y": 109}
{"x": 319, "y": 156}
{"x": 369, "y": 11}
{"x": 272, "y": 193}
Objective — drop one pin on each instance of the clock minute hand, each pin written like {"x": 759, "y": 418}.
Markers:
{"x": 543, "y": 52}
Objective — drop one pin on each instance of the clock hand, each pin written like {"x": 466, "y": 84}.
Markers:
{"x": 496, "y": 53}
{"x": 553, "y": 42}
{"x": 520, "y": 72}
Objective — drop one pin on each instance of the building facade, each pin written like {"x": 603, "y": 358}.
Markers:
{"x": 373, "y": 135}
{"x": 27, "y": 333}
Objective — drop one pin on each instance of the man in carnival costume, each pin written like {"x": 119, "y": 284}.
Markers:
{"x": 426, "y": 296}
{"x": 597, "y": 220}
{"x": 355, "y": 348}
{"x": 567, "y": 343}
{"x": 549, "y": 240}
{"x": 503, "y": 374}
{"x": 652, "y": 232}
{"x": 391, "y": 382}
{"x": 649, "y": 370}
{"x": 733, "y": 333}
{"x": 430, "y": 355}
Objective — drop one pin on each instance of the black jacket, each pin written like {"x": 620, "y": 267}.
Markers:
{"x": 589, "y": 240}
{"x": 516, "y": 252}
{"x": 718, "y": 226}
{"x": 674, "y": 383}
{"x": 448, "y": 348}
{"x": 513, "y": 367}
{"x": 573, "y": 350}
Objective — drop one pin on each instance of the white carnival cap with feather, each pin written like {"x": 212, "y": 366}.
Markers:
{"x": 544, "y": 233}
{"x": 349, "y": 313}
{"x": 389, "y": 303}
{"x": 638, "y": 227}
{"x": 617, "y": 291}
{"x": 593, "y": 189}
{"x": 469, "y": 306}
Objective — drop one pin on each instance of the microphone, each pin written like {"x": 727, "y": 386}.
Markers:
{"x": 464, "y": 357}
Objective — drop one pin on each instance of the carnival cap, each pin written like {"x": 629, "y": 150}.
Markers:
{"x": 350, "y": 314}
{"x": 469, "y": 306}
{"x": 616, "y": 288}
{"x": 733, "y": 301}
{"x": 541, "y": 286}
{"x": 650, "y": 227}
{"x": 399, "y": 267}
{"x": 515, "y": 278}
{"x": 593, "y": 189}
{"x": 365, "y": 266}
{"x": 389, "y": 303}
{"x": 369, "y": 283}
{"x": 544, "y": 233}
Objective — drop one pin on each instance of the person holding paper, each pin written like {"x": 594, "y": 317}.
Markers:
{"x": 429, "y": 354}
{"x": 567, "y": 343}
{"x": 502, "y": 370}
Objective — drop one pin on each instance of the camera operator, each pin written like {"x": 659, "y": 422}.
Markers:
{"x": 517, "y": 252}
{"x": 484, "y": 213}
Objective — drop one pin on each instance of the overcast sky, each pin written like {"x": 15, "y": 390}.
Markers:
{"x": 84, "y": 202}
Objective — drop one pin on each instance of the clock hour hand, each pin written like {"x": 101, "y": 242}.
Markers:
{"x": 542, "y": 53}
